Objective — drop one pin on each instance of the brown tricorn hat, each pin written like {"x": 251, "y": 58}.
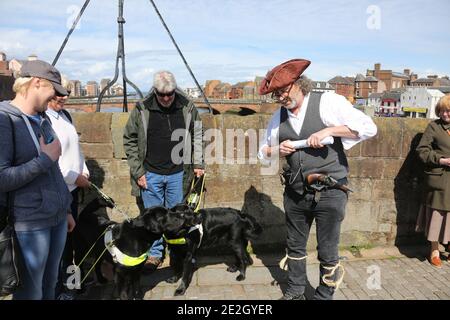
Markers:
{"x": 283, "y": 75}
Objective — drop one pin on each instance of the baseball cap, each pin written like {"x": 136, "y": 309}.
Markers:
{"x": 44, "y": 70}
{"x": 283, "y": 75}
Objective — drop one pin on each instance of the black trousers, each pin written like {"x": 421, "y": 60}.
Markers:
{"x": 328, "y": 213}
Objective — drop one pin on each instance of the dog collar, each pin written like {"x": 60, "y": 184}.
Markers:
{"x": 120, "y": 257}
{"x": 180, "y": 241}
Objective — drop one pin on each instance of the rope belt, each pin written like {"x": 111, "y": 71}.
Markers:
{"x": 283, "y": 263}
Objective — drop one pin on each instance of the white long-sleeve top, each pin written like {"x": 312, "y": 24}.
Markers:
{"x": 71, "y": 162}
{"x": 335, "y": 110}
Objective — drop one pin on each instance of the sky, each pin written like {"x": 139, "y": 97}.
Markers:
{"x": 231, "y": 40}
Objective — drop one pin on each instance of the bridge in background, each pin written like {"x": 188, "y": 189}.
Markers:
{"x": 237, "y": 106}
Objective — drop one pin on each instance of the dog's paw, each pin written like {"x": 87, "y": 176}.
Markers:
{"x": 232, "y": 269}
{"x": 172, "y": 279}
{"x": 240, "y": 277}
{"x": 180, "y": 292}
{"x": 249, "y": 261}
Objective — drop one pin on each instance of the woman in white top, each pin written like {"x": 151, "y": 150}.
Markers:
{"x": 73, "y": 169}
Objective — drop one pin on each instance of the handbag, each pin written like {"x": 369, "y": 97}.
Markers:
{"x": 9, "y": 261}
{"x": 10, "y": 256}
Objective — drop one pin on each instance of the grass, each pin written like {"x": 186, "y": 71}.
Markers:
{"x": 355, "y": 250}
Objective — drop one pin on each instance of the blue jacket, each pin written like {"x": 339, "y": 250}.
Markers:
{"x": 41, "y": 197}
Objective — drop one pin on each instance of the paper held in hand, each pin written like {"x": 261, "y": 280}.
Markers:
{"x": 300, "y": 144}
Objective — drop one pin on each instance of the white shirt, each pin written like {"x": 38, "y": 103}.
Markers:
{"x": 71, "y": 162}
{"x": 335, "y": 110}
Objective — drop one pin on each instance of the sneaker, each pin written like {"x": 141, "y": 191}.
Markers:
{"x": 290, "y": 296}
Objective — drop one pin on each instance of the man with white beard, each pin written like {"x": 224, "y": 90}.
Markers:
{"x": 311, "y": 116}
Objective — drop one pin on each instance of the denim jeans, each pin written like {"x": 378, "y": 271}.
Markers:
{"x": 41, "y": 251}
{"x": 329, "y": 213}
{"x": 162, "y": 190}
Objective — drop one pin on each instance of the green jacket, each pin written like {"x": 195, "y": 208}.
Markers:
{"x": 434, "y": 145}
{"x": 135, "y": 139}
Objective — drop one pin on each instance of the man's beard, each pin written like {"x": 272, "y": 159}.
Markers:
{"x": 291, "y": 104}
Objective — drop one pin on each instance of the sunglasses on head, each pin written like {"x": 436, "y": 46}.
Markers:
{"x": 168, "y": 94}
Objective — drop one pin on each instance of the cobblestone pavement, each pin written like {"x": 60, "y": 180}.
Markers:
{"x": 384, "y": 274}
{"x": 376, "y": 274}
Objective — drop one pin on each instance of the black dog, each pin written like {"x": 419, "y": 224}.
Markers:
{"x": 132, "y": 238}
{"x": 220, "y": 225}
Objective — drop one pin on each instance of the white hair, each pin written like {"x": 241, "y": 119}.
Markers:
{"x": 164, "y": 81}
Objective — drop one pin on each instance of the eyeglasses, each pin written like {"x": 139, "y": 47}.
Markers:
{"x": 277, "y": 94}
{"x": 162, "y": 95}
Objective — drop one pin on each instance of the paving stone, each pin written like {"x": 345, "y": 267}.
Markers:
{"x": 401, "y": 279}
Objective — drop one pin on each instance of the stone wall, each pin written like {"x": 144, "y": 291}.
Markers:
{"x": 384, "y": 174}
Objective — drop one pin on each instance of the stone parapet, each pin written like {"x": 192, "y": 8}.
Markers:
{"x": 385, "y": 175}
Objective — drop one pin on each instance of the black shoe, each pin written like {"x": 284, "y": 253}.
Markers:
{"x": 290, "y": 296}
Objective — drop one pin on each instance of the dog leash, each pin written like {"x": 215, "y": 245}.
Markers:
{"x": 192, "y": 197}
{"x": 110, "y": 201}
{"x": 87, "y": 254}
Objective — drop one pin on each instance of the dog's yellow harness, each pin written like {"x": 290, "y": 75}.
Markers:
{"x": 120, "y": 257}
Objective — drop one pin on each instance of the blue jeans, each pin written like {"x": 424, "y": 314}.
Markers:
{"x": 41, "y": 251}
{"x": 162, "y": 190}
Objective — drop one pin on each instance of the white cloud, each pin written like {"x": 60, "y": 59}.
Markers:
{"x": 231, "y": 40}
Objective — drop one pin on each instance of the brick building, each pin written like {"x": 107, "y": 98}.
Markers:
{"x": 222, "y": 91}
{"x": 389, "y": 80}
{"x": 210, "y": 85}
{"x": 241, "y": 89}
{"x": 92, "y": 89}
{"x": 365, "y": 86}
{"x": 431, "y": 81}
{"x": 344, "y": 86}
{"x": 75, "y": 88}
